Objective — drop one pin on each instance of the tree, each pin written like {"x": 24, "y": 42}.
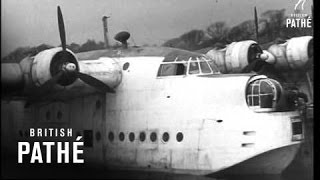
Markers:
{"x": 17, "y": 55}
{"x": 275, "y": 23}
{"x": 218, "y": 31}
{"x": 74, "y": 47}
{"x": 243, "y": 31}
{"x": 91, "y": 45}
{"x": 191, "y": 40}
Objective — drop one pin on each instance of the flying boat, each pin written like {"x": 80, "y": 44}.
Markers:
{"x": 152, "y": 108}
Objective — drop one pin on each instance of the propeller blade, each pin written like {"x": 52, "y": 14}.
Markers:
{"x": 256, "y": 23}
{"x": 50, "y": 83}
{"x": 62, "y": 30}
{"x": 44, "y": 89}
{"x": 94, "y": 82}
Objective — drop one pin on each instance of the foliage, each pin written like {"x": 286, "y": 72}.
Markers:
{"x": 22, "y": 52}
{"x": 189, "y": 41}
{"x": 271, "y": 28}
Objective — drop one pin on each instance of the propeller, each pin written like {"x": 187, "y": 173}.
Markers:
{"x": 51, "y": 82}
{"x": 67, "y": 69}
{"x": 257, "y": 59}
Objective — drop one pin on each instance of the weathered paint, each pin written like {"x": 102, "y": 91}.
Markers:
{"x": 210, "y": 111}
{"x": 234, "y": 58}
{"x": 184, "y": 104}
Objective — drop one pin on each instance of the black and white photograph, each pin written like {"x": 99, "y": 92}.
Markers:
{"x": 157, "y": 89}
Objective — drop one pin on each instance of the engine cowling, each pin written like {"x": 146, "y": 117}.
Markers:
{"x": 236, "y": 56}
{"x": 218, "y": 55}
{"x": 48, "y": 63}
{"x": 240, "y": 54}
{"x": 294, "y": 54}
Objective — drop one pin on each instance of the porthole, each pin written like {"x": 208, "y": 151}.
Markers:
{"x": 20, "y": 133}
{"x": 179, "y": 136}
{"x": 142, "y": 136}
{"x": 48, "y": 115}
{"x": 98, "y": 135}
{"x": 125, "y": 66}
{"x": 165, "y": 137}
{"x": 111, "y": 136}
{"x": 131, "y": 136}
{"x": 121, "y": 136}
{"x": 98, "y": 104}
{"x": 153, "y": 136}
{"x": 59, "y": 115}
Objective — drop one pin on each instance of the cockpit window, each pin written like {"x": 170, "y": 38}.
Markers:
{"x": 213, "y": 66}
{"x": 205, "y": 67}
{"x": 177, "y": 65}
{"x": 172, "y": 69}
{"x": 194, "y": 67}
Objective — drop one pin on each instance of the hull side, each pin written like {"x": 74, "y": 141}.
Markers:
{"x": 271, "y": 162}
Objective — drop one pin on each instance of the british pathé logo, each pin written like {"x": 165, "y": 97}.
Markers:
{"x": 300, "y": 2}
{"x": 298, "y": 19}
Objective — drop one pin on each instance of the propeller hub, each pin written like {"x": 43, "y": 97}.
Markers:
{"x": 70, "y": 67}
{"x": 64, "y": 61}
{"x": 264, "y": 56}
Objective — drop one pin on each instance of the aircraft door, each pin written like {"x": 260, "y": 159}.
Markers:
{"x": 88, "y": 121}
{"x": 93, "y": 127}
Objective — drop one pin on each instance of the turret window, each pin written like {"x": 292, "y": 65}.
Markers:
{"x": 263, "y": 93}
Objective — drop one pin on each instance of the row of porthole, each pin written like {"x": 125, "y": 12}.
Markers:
{"x": 142, "y": 136}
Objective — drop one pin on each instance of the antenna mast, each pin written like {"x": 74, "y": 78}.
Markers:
{"x": 105, "y": 30}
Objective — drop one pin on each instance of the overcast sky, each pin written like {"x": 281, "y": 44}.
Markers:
{"x": 33, "y": 22}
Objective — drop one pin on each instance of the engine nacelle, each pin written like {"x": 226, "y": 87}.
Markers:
{"x": 104, "y": 69}
{"x": 218, "y": 55}
{"x": 294, "y": 54}
{"x": 235, "y": 56}
{"x": 47, "y": 63}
